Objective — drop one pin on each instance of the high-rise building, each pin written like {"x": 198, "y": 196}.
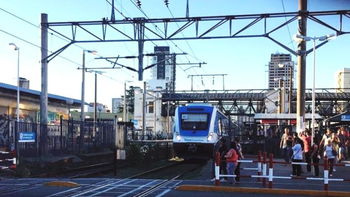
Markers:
{"x": 164, "y": 73}
{"x": 116, "y": 103}
{"x": 342, "y": 80}
{"x": 281, "y": 66}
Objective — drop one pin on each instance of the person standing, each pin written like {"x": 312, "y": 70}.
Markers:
{"x": 306, "y": 138}
{"x": 231, "y": 161}
{"x": 329, "y": 153}
{"x": 315, "y": 156}
{"x": 286, "y": 145}
{"x": 223, "y": 151}
{"x": 297, "y": 157}
{"x": 325, "y": 137}
{"x": 240, "y": 156}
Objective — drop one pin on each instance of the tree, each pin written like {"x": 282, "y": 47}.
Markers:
{"x": 130, "y": 97}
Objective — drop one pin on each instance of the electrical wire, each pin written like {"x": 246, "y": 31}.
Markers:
{"x": 26, "y": 41}
{"x": 290, "y": 36}
{"x": 30, "y": 43}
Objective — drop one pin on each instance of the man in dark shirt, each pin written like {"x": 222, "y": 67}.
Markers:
{"x": 223, "y": 151}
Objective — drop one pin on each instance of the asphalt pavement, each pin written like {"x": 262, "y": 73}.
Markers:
{"x": 202, "y": 185}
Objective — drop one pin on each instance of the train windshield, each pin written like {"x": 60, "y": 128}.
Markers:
{"x": 194, "y": 121}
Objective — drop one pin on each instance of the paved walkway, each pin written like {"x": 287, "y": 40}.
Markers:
{"x": 282, "y": 180}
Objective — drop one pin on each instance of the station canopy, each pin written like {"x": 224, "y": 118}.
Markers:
{"x": 343, "y": 117}
{"x": 274, "y": 118}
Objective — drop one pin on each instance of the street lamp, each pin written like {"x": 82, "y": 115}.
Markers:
{"x": 95, "y": 101}
{"x": 16, "y": 48}
{"x": 82, "y": 117}
{"x": 124, "y": 102}
{"x": 326, "y": 38}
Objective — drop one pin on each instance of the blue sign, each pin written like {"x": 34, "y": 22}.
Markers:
{"x": 26, "y": 137}
{"x": 134, "y": 121}
{"x": 345, "y": 117}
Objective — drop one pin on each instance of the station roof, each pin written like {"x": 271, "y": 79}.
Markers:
{"x": 76, "y": 102}
{"x": 274, "y": 118}
{"x": 291, "y": 116}
{"x": 343, "y": 117}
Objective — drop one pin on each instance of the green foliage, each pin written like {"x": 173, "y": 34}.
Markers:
{"x": 142, "y": 155}
{"x": 130, "y": 97}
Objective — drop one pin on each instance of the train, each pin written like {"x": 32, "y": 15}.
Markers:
{"x": 198, "y": 128}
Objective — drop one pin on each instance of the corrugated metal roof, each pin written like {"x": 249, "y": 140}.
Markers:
{"x": 35, "y": 92}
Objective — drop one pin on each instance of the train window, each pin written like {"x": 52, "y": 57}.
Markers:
{"x": 219, "y": 127}
{"x": 194, "y": 121}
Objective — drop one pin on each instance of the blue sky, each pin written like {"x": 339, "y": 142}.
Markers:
{"x": 243, "y": 60}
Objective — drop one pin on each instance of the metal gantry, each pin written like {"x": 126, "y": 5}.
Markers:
{"x": 329, "y": 102}
{"x": 141, "y": 29}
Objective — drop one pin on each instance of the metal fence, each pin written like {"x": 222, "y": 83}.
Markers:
{"x": 60, "y": 139}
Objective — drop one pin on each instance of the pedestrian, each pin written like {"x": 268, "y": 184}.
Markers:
{"x": 231, "y": 161}
{"x": 323, "y": 143}
{"x": 297, "y": 157}
{"x": 306, "y": 138}
{"x": 223, "y": 151}
{"x": 341, "y": 145}
{"x": 335, "y": 142}
{"x": 286, "y": 145}
{"x": 240, "y": 156}
{"x": 315, "y": 156}
{"x": 329, "y": 149}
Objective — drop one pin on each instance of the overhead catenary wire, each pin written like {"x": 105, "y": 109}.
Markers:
{"x": 35, "y": 45}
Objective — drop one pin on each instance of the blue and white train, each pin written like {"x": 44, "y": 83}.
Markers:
{"x": 198, "y": 128}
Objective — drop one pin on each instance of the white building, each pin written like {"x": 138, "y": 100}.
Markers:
{"x": 154, "y": 121}
{"x": 342, "y": 80}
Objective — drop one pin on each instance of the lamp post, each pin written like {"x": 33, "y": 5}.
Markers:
{"x": 325, "y": 38}
{"x": 124, "y": 102}
{"x": 16, "y": 48}
{"x": 82, "y": 117}
{"x": 95, "y": 100}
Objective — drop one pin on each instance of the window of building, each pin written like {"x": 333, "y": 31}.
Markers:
{"x": 150, "y": 107}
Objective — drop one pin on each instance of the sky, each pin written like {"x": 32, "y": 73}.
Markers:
{"x": 244, "y": 60}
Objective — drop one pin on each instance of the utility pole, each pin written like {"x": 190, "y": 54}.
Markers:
{"x": 44, "y": 82}
{"x": 301, "y": 66}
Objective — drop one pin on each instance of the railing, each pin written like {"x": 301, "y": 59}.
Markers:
{"x": 270, "y": 176}
{"x": 8, "y": 160}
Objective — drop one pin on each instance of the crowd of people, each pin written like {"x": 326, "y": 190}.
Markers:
{"x": 300, "y": 148}
{"x": 295, "y": 147}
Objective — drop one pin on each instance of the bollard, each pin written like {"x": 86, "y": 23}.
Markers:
{"x": 115, "y": 157}
{"x": 217, "y": 169}
{"x": 271, "y": 171}
{"x": 325, "y": 174}
{"x": 264, "y": 168}
{"x": 259, "y": 165}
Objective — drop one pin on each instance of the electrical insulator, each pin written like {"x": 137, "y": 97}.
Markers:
{"x": 138, "y": 2}
{"x": 166, "y": 2}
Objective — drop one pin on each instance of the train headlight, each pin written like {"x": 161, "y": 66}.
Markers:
{"x": 210, "y": 137}
{"x": 178, "y": 137}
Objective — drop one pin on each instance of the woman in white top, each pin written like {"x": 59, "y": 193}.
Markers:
{"x": 328, "y": 151}
{"x": 297, "y": 157}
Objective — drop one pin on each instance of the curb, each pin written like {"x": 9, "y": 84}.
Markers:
{"x": 61, "y": 184}
{"x": 260, "y": 190}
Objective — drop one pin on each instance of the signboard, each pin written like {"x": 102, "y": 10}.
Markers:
{"x": 345, "y": 118}
{"x": 134, "y": 121}
{"x": 26, "y": 137}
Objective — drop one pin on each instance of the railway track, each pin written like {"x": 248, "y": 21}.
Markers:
{"x": 190, "y": 168}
